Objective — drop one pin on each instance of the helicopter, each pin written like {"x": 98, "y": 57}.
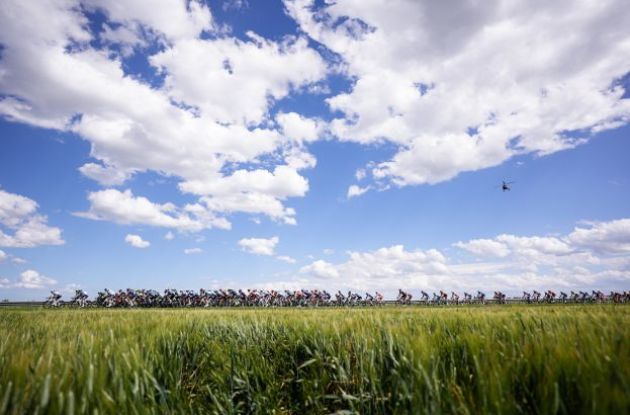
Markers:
{"x": 505, "y": 186}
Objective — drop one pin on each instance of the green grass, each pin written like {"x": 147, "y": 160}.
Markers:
{"x": 503, "y": 359}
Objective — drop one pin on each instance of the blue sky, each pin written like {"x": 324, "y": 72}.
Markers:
{"x": 290, "y": 144}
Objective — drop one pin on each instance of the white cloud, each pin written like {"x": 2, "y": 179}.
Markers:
{"x": 530, "y": 252}
{"x": 597, "y": 239}
{"x": 525, "y": 246}
{"x": 245, "y": 74}
{"x": 355, "y": 190}
{"x": 70, "y": 288}
{"x": 534, "y": 245}
{"x": 254, "y": 203}
{"x": 105, "y": 175}
{"x": 320, "y": 269}
{"x": 485, "y": 247}
{"x": 328, "y": 251}
{"x": 603, "y": 237}
{"x": 33, "y": 279}
{"x": 127, "y": 39}
{"x": 4, "y": 283}
{"x": 299, "y": 128}
{"x": 18, "y": 215}
{"x": 394, "y": 261}
{"x": 259, "y": 246}
{"x": 136, "y": 241}
{"x": 461, "y": 87}
{"x": 169, "y": 236}
{"x": 194, "y": 128}
{"x": 172, "y": 19}
{"x": 235, "y": 4}
{"x": 125, "y": 208}
{"x": 16, "y": 260}
{"x": 256, "y": 192}
{"x": 190, "y": 251}
{"x": 286, "y": 259}
{"x": 588, "y": 258}
{"x": 297, "y": 158}
{"x": 283, "y": 182}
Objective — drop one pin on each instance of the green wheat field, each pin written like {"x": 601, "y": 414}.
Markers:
{"x": 393, "y": 360}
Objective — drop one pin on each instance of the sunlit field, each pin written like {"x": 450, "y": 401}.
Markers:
{"x": 492, "y": 359}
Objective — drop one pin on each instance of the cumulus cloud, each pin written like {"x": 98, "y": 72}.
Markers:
{"x": 136, "y": 241}
{"x": 255, "y": 192}
{"x": 534, "y": 245}
{"x": 259, "y": 246}
{"x": 191, "y": 251}
{"x": 485, "y": 247}
{"x": 245, "y": 74}
{"x": 16, "y": 260}
{"x": 33, "y": 279}
{"x": 507, "y": 81}
{"x": 461, "y": 86}
{"x": 171, "y": 19}
{"x": 527, "y": 246}
{"x": 603, "y": 237}
{"x": 235, "y": 4}
{"x": 286, "y": 258}
{"x": 194, "y": 127}
{"x": 169, "y": 236}
{"x": 386, "y": 267}
{"x": 70, "y": 288}
{"x": 320, "y": 269}
{"x": 105, "y": 175}
{"x": 354, "y": 191}
{"x": 398, "y": 262}
{"x": 589, "y": 243}
{"x": 125, "y": 208}
{"x": 595, "y": 256}
{"x": 4, "y": 282}
{"x": 254, "y": 203}
{"x": 299, "y": 128}
{"x": 27, "y": 228}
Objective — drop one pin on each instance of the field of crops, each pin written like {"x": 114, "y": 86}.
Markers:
{"x": 493, "y": 359}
